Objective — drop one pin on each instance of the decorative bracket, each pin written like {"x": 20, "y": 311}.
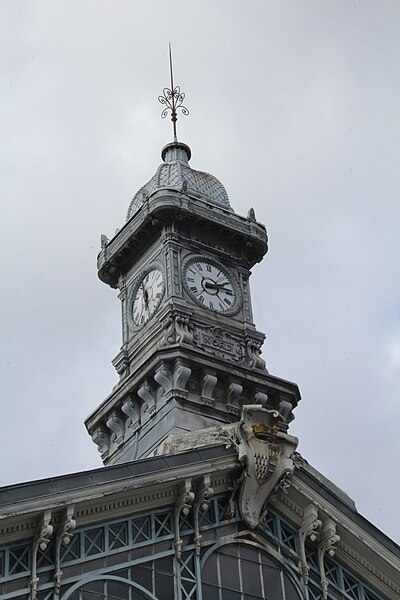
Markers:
{"x": 208, "y": 383}
{"x": 202, "y": 501}
{"x": 64, "y": 535}
{"x": 41, "y": 540}
{"x": 101, "y": 438}
{"x": 310, "y": 528}
{"x": 131, "y": 409}
{"x": 146, "y": 393}
{"x": 232, "y": 397}
{"x": 181, "y": 375}
{"x": 121, "y": 363}
{"x": 163, "y": 377}
{"x": 183, "y": 506}
{"x": 261, "y": 398}
{"x": 253, "y": 351}
{"x": 327, "y": 543}
{"x": 177, "y": 330}
{"x": 116, "y": 425}
{"x": 173, "y": 382}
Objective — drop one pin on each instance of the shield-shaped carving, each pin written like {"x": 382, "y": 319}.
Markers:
{"x": 266, "y": 457}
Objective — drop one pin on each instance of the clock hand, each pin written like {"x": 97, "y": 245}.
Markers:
{"x": 219, "y": 286}
{"x": 146, "y": 298}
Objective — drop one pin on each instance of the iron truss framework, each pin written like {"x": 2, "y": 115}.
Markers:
{"x": 134, "y": 558}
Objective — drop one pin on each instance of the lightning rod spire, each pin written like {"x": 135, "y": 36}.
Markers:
{"x": 172, "y": 99}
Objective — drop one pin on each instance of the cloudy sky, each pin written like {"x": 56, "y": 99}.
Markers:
{"x": 295, "y": 107}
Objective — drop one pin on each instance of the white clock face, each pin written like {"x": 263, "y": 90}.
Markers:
{"x": 210, "y": 286}
{"x": 148, "y": 296}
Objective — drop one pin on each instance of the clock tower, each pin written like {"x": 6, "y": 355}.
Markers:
{"x": 191, "y": 354}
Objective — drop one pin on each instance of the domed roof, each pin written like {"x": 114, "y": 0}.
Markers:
{"x": 175, "y": 174}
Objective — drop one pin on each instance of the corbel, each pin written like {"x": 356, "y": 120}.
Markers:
{"x": 261, "y": 398}
{"x": 146, "y": 393}
{"x": 183, "y": 506}
{"x": 181, "y": 375}
{"x": 169, "y": 336}
{"x": 64, "y": 535}
{"x": 208, "y": 383}
{"x": 131, "y": 409}
{"x": 310, "y": 528}
{"x": 163, "y": 377}
{"x": 233, "y": 394}
{"x": 41, "y": 540}
{"x": 101, "y": 438}
{"x": 327, "y": 542}
{"x": 285, "y": 408}
{"x": 116, "y": 425}
{"x": 202, "y": 501}
{"x": 121, "y": 363}
{"x": 183, "y": 329}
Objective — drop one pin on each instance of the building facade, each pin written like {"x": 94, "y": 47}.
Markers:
{"x": 203, "y": 494}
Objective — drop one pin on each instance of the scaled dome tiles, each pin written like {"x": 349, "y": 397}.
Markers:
{"x": 176, "y": 175}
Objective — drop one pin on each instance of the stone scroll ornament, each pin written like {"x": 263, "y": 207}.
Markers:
{"x": 266, "y": 454}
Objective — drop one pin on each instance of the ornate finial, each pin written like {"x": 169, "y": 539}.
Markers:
{"x": 173, "y": 99}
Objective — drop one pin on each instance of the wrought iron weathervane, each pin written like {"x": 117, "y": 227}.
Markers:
{"x": 172, "y": 99}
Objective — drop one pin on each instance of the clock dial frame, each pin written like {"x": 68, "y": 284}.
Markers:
{"x": 146, "y": 296}
{"x": 211, "y": 285}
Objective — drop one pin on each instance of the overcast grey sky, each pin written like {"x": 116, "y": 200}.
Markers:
{"x": 295, "y": 108}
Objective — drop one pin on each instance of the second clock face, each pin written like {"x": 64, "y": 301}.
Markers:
{"x": 148, "y": 296}
{"x": 210, "y": 285}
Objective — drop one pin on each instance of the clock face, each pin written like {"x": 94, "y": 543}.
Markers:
{"x": 149, "y": 293}
{"x": 210, "y": 285}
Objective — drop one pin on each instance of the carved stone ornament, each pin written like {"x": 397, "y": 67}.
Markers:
{"x": 116, "y": 424}
{"x": 173, "y": 382}
{"x": 310, "y": 528}
{"x": 41, "y": 540}
{"x": 327, "y": 542}
{"x": 219, "y": 343}
{"x": 101, "y": 438}
{"x": 253, "y": 354}
{"x": 64, "y": 535}
{"x": 178, "y": 330}
{"x": 183, "y": 505}
{"x": 232, "y": 397}
{"x": 131, "y": 408}
{"x": 208, "y": 383}
{"x": 147, "y": 394}
{"x": 202, "y": 501}
{"x": 266, "y": 454}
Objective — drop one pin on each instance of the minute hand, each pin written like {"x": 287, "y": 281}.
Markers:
{"x": 220, "y": 286}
